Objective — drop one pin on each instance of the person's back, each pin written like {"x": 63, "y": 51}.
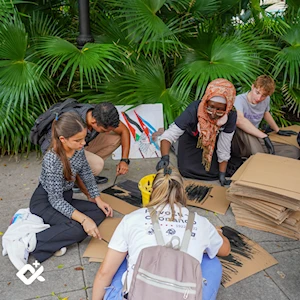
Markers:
{"x": 136, "y": 232}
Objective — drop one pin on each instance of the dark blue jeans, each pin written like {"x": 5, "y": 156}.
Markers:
{"x": 63, "y": 231}
{"x": 211, "y": 272}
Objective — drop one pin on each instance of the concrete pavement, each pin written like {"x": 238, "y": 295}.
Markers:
{"x": 71, "y": 276}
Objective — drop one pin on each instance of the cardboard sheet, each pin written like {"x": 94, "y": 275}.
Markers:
{"x": 97, "y": 249}
{"x": 271, "y": 173}
{"x": 245, "y": 259}
{"x": 118, "y": 205}
{"x": 289, "y": 140}
{"x": 215, "y": 199}
{"x": 107, "y": 228}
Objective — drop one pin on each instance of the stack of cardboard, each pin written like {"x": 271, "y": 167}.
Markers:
{"x": 265, "y": 194}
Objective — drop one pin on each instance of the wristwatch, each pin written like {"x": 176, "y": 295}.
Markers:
{"x": 125, "y": 160}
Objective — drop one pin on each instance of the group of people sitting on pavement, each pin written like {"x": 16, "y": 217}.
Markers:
{"x": 208, "y": 131}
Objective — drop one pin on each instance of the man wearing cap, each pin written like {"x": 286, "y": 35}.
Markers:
{"x": 252, "y": 107}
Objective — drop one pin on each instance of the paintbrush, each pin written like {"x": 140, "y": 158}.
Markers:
{"x": 115, "y": 179}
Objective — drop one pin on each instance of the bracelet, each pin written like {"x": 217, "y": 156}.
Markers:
{"x": 83, "y": 221}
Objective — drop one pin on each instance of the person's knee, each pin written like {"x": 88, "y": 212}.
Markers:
{"x": 78, "y": 232}
{"x": 96, "y": 165}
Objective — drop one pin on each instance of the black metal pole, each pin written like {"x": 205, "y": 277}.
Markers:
{"x": 85, "y": 35}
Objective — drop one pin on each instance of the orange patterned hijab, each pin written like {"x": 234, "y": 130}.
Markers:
{"x": 208, "y": 128}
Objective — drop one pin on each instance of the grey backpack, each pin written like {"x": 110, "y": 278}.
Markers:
{"x": 167, "y": 271}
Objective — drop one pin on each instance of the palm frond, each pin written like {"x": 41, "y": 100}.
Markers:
{"x": 15, "y": 128}
{"x": 292, "y": 98}
{"x": 287, "y": 61}
{"x": 61, "y": 58}
{"x": 20, "y": 81}
{"x": 144, "y": 83}
{"x": 203, "y": 8}
{"x": 146, "y": 28}
{"x": 13, "y": 38}
{"x": 41, "y": 24}
{"x": 228, "y": 58}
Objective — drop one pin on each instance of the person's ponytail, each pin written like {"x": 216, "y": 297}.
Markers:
{"x": 168, "y": 188}
{"x": 67, "y": 125}
{"x": 60, "y": 151}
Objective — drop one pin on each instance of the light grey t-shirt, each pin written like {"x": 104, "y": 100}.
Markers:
{"x": 253, "y": 112}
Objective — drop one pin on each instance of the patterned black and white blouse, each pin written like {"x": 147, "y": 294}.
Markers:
{"x": 53, "y": 181}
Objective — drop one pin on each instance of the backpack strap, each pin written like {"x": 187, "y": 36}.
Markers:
{"x": 158, "y": 235}
{"x": 188, "y": 232}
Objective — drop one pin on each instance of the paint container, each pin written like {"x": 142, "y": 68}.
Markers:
{"x": 145, "y": 186}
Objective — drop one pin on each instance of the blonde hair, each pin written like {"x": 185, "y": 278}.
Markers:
{"x": 266, "y": 83}
{"x": 168, "y": 188}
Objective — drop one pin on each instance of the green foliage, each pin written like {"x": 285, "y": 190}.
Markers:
{"x": 22, "y": 87}
{"x": 91, "y": 63}
{"x": 145, "y": 51}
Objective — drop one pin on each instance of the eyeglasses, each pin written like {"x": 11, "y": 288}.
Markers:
{"x": 219, "y": 113}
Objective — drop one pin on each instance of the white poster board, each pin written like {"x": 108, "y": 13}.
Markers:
{"x": 142, "y": 121}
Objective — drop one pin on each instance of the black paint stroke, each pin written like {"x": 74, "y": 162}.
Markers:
{"x": 240, "y": 250}
{"x": 134, "y": 196}
{"x": 197, "y": 192}
{"x": 133, "y": 122}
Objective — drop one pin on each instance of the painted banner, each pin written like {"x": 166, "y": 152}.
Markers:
{"x": 142, "y": 121}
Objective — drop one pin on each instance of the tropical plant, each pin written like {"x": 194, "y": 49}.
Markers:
{"x": 145, "y": 51}
{"x": 23, "y": 87}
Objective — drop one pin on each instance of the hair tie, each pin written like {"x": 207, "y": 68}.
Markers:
{"x": 167, "y": 170}
{"x": 56, "y": 116}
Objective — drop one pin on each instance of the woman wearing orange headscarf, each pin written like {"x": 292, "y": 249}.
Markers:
{"x": 205, "y": 130}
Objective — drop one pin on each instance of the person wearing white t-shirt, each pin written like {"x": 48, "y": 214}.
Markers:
{"x": 135, "y": 232}
{"x": 251, "y": 108}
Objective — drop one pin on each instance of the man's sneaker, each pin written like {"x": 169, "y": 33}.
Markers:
{"x": 76, "y": 189}
{"x": 61, "y": 252}
{"x": 101, "y": 179}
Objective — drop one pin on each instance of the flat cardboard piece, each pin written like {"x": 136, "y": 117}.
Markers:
{"x": 108, "y": 227}
{"x": 215, "y": 200}
{"x": 288, "y": 140}
{"x": 97, "y": 249}
{"x": 245, "y": 259}
{"x": 95, "y": 259}
{"x": 275, "y": 174}
{"x": 118, "y": 205}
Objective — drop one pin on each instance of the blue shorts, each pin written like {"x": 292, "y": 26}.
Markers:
{"x": 211, "y": 272}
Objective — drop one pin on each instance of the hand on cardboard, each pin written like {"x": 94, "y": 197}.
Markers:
{"x": 223, "y": 180}
{"x": 91, "y": 228}
{"x": 269, "y": 145}
{"x": 108, "y": 211}
{"x": 286, "y": 132}
{"x": 164, "y": 162}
